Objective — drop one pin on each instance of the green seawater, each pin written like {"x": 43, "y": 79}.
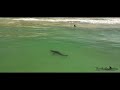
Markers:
{"x": 27, "y": 49}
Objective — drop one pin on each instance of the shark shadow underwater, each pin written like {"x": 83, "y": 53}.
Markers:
{"x": 57, "y": 53}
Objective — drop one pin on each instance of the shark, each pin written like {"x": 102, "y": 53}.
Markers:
{"x": 58, "y": 53}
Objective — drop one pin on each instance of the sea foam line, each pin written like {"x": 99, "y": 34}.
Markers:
{"x": 81, "y": 20}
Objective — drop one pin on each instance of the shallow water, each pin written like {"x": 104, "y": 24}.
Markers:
{"x": 27, "y": 49}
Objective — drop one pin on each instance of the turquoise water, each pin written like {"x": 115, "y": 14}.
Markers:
{"x": 27, "y": 49}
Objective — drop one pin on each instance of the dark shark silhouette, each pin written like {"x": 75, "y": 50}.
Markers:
{"x": 57, "y": 52}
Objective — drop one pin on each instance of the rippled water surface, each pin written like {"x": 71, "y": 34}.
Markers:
{"x": 27, "y": 49}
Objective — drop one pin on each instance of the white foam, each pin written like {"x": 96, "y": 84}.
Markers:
{"x": 47, "y": 19}
{"x": 27, "y": 19}
{"x": 105, "y": 21}
{"x": 81, "y": 20}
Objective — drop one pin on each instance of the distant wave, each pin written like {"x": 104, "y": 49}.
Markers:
{"x": 27, "y": 19}
{"x": 47, "y": 19}
{"x": 102, "y": 21}
{"x": 81, "y": 20}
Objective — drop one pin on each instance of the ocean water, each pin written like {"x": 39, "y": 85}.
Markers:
{"x": 27, "y": 49}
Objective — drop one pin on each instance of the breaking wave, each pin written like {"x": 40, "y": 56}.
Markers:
{"x": 81, "y": 20}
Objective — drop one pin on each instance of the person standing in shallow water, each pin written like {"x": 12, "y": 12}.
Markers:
{"x": 74, "y": 25}
{"x": 110, "y": 67}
